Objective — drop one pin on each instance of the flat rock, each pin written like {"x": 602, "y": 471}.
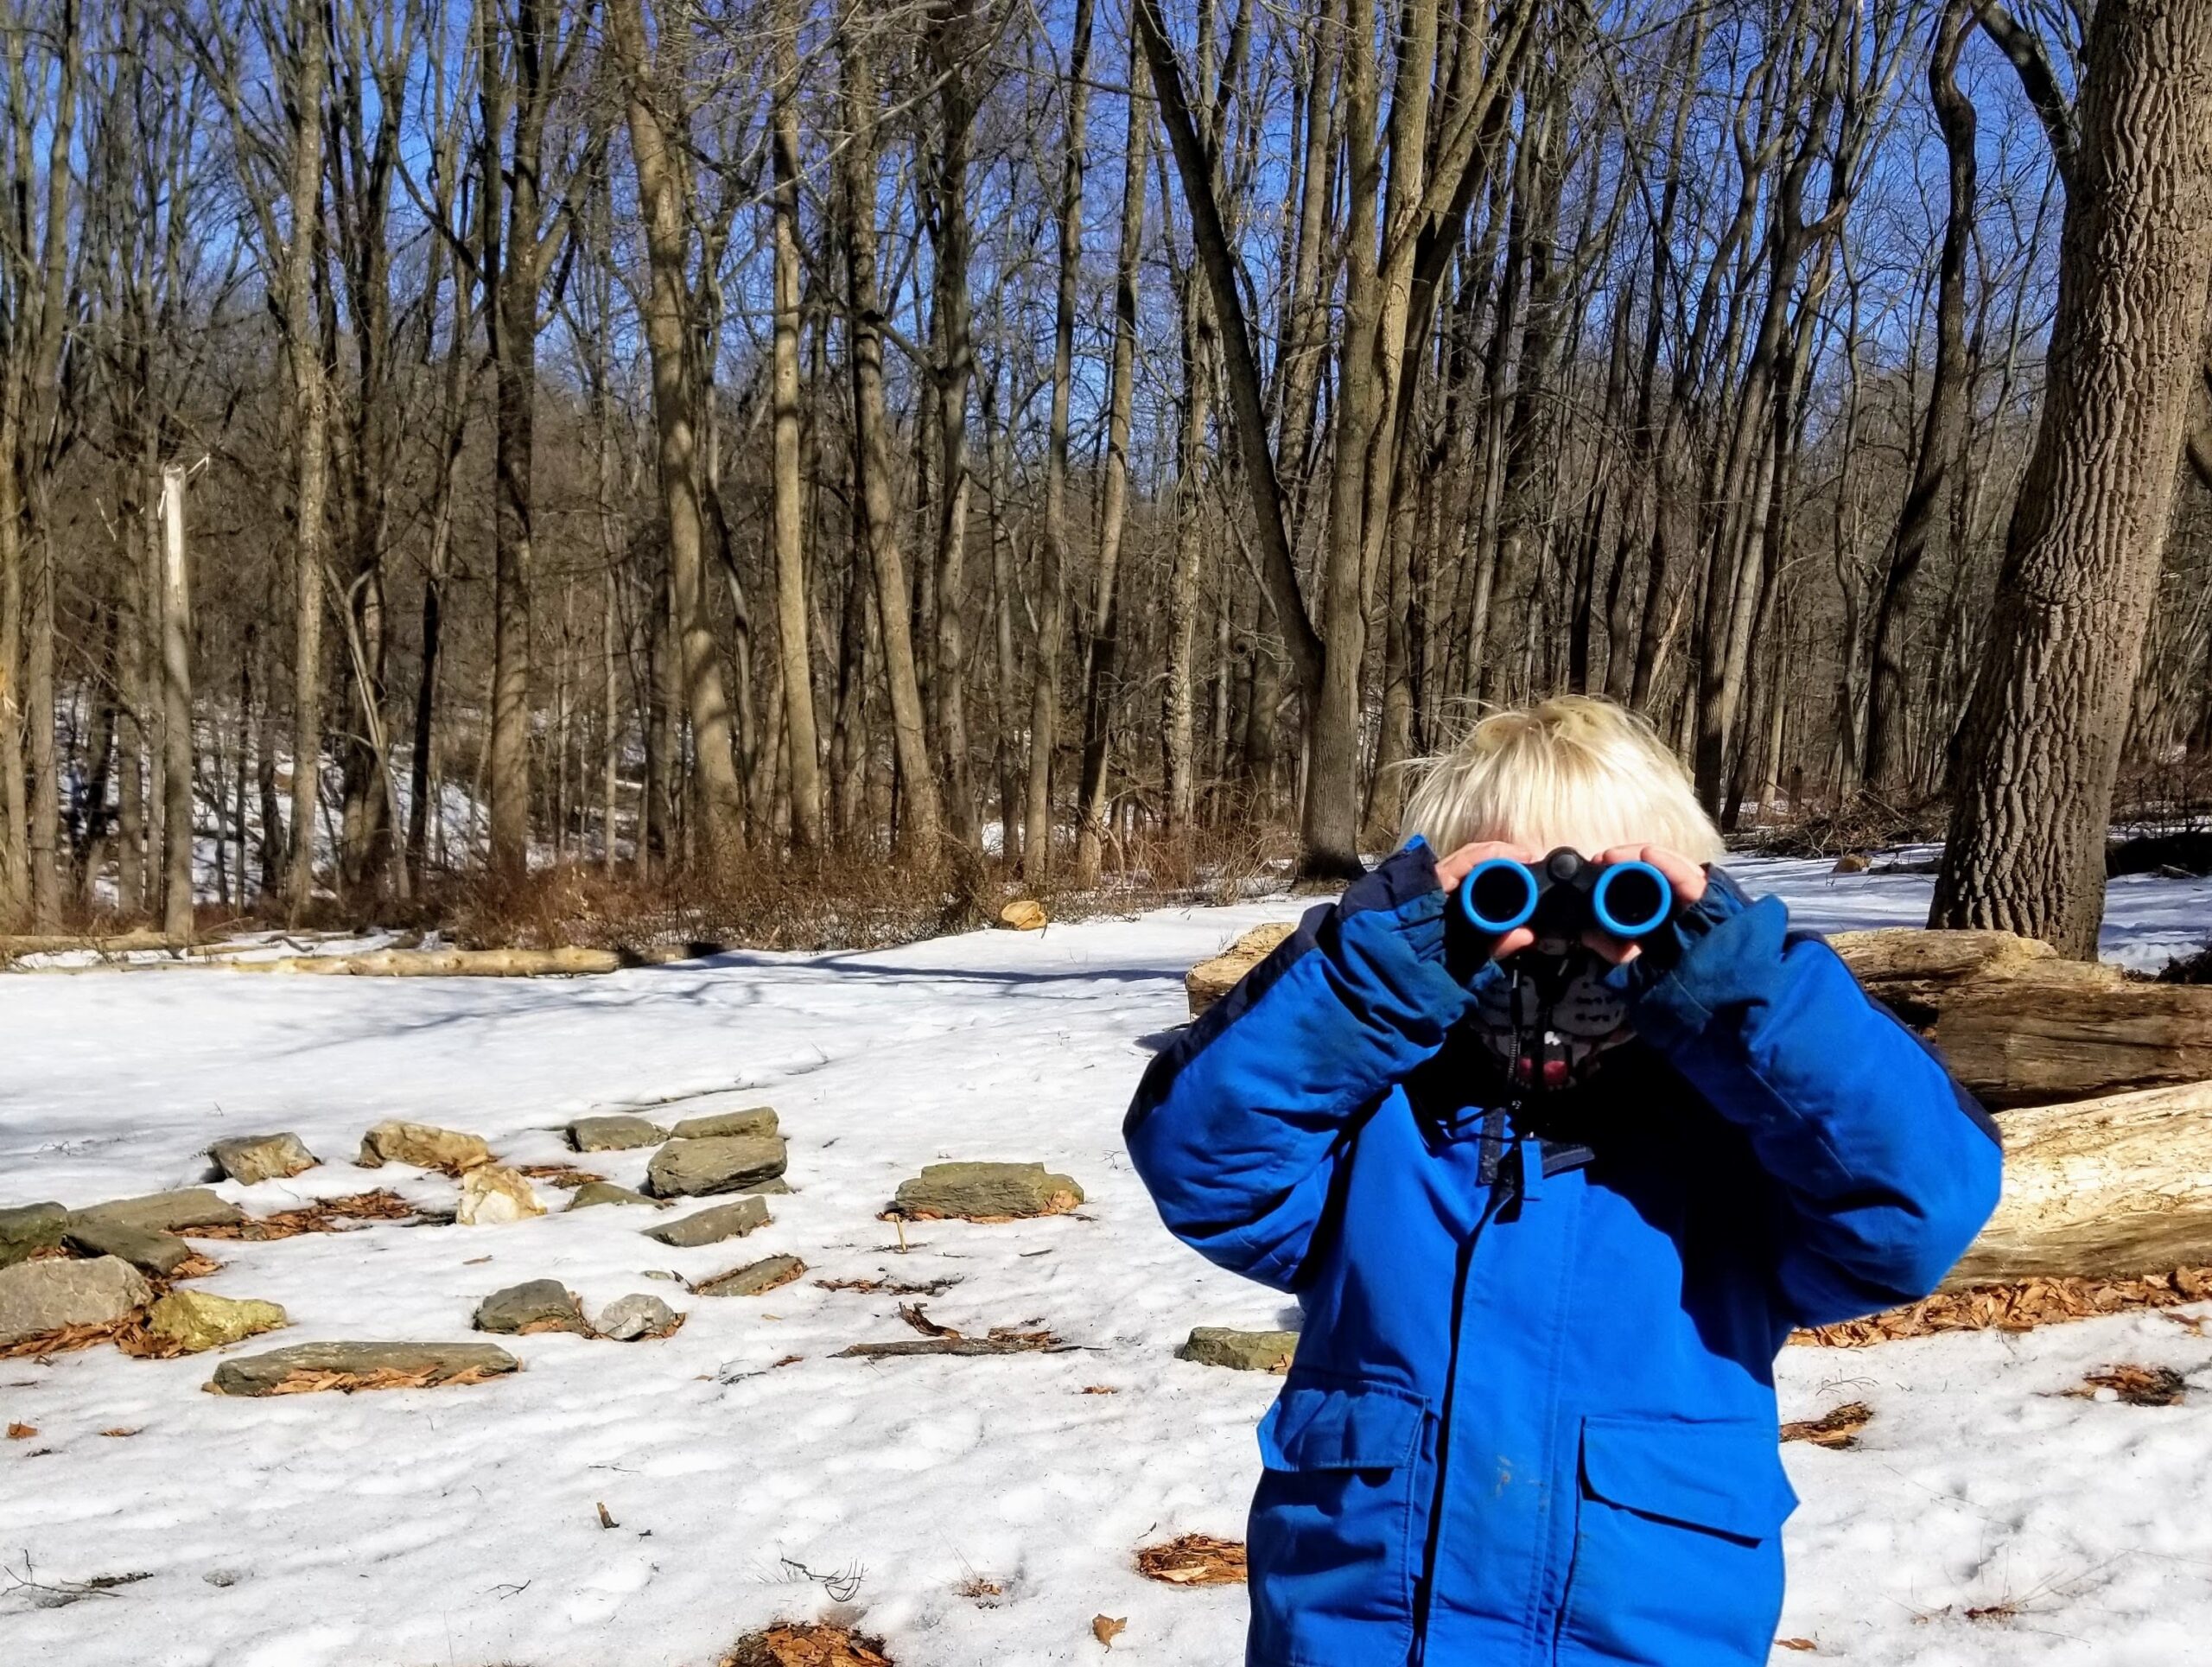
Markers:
{"x": 753, "y": 1120}
{"x": 167, "y": 1213}
{"x": 423, "y": 1145}
{"x": 360, "y": 1366}
{"x": 200, "y": 1320}
{"x": 721, "y": 1163}
{"x": 606, "y": 1191}
{"x": 45, "y": 1296}
{"x": 491, "y": 1193}
{"x": 753, "y": 1279}
{"x": 628, "y": 1318}
{"x": 985, "y": 1191}
{"x": 26, "y": 1229}
{"x": 540, "y": 1305}
{"x": 614, "y": 1134}
{"x": 150, "y": 1252}
{"x": 1214, "y": 1345}
{"x": 253, "y": 1158}
{"x": 713, "y": 1226}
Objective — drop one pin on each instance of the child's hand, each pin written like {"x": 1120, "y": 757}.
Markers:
{"x": 1685, "y": 876}
{"x": 1450, "y": 870}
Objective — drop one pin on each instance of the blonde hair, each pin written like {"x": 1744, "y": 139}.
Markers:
{"x": 1574, "y": 770}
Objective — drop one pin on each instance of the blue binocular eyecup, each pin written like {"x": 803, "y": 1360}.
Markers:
{"x": 1564, "y": 895}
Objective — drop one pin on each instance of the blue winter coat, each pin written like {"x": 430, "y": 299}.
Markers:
{"x": 1532, "y": 1415}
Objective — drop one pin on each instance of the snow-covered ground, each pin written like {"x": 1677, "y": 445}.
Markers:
{"x": 1985, "y": 1518}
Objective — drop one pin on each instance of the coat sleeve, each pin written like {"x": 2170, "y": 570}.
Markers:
{"x": 1240, "y": 1125}
{"x": 1885, "y": 1169}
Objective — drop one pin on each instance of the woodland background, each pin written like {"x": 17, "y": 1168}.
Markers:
{"x": 774, "y": 447}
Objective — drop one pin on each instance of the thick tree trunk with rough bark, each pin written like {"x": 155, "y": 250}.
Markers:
{"x": 2040, "y": 746}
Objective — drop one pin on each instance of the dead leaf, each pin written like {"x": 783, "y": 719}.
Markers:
{"x": 384, "y": 1377}
{"x": 1194, "y": 1560}
{"x": 22, "y": 1431}
{"x": 2136, "y": 1386}
{"x": 328, "y": 1215}
{"x": 606, "y": 1521}
{"x": 2015, "y": 1308}
{"x": 119, "y": 1432}
{"x": 1100, "y": 1388}
{"x": 795, "y": 1644}
{"x": 1106, "y": 1629}
{"x": 1835, "y": 1429}
{"x": 1796, "y": 1643}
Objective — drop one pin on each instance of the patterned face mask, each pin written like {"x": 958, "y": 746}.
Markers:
{"x": 1546, "y": 1018}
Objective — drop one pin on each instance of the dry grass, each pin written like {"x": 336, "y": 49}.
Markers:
{"x": 328, "y": 1215}
{"x": 1865, "y": 822}
{"x": 800, "y": 1644}
{"x": 2015, "y": 1307}
{"x": 1194, "y": 1560}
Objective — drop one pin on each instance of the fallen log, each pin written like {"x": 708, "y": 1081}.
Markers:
{"x": 442, "y": 963}
{"x": 2028, "y": 1042}
{"x": 1208, "y": 982}
{"x": 2111, "y": 1188}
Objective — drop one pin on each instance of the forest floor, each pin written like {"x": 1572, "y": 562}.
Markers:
{"x": 642, "y": 1505}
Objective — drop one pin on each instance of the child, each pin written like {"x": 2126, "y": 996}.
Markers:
{"x": 1550, "y": 1209}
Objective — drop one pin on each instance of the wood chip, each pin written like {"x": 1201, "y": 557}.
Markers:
{"x": 1194, "y": 1560}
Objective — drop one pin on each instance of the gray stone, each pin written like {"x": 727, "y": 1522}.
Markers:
{"x": 1213, "y": 1345}
{"x": 723, "y": 1163}
{"x": 753, "y": 1279}
{"x": 361, "y": 1365}
{"x": 614, "y": 1134}
{"x": 162, "y": 1254}
{"x": 756, "y": 1120}
{"x": 253, "y": 1158}
{"x": 712, "y": 1226}
{"x": 28, "y": 1228}
{"x": 45, "y": 1296}
{"x": 542, "y": 1305}
{"x": 167, "y": 1213}
{"x": 606, "y": 1191}
{"x": 985, "y": 1191}
{"x": 630, "y": 1318}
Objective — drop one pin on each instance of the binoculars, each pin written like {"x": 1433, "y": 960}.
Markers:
{"x": 1565, "y": 895}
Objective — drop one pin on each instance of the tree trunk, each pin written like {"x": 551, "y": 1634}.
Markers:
{"x": 176, "y": 712}
{"x": 921, "y": 818}
{"x": 1099, "y": 671}
{"x": 1949, "y": 387}
{"x": 655, "y": 137}
{"x": 2040, "y": 746}
{"x": 1051, "y": 582}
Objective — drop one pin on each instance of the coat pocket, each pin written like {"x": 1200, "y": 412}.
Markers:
{"x": 1332, "y": 1543}
{"x": 1677, "y": 1543}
